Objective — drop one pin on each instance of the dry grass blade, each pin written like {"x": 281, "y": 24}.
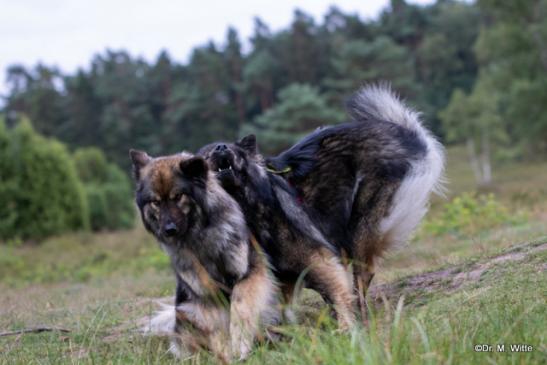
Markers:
{"x": 34, "y": 330}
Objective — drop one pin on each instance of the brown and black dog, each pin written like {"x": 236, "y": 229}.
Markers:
{"x": 295, "y": 246}
{"x": 225, "y": 290}
{"x": 365, "y": 185}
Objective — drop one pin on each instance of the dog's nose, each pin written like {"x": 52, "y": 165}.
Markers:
{"x": 221, "y": 147}
{"x": 170, "y": 229}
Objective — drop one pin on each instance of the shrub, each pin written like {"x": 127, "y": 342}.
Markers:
{"x": 98, "y": 208}
{"x": 470, "y": 214}
{"x": 40, "y": 191}
{"x": 119, "y": 197}
{"x": 108, "y": 190}
{"x": 91, "y": 165}
{"x": 8, "y": 185}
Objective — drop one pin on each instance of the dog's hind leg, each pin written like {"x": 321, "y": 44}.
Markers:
{"x": 289, "y": 291}
{"x": 363, "y": 273}
{"x": 329, "y": 277}
{"x": 367, "y": 248}
{"x": 373, "y": 202}
{"x": 253, "y": 304}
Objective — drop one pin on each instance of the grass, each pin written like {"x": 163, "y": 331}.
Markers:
{"x": 99, "y": 286}
{"x": 442, "y": 331}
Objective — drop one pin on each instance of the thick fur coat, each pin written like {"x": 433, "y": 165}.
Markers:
{"x": 225, "y": 291}
{"x": 366, "y": 183}
{"x": 296, "y": 247}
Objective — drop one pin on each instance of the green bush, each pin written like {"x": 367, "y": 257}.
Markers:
{"x": 108, "y": 190}
{"x": 8, "y": 185}
{"x": 40, "y": 192}
{"x": 470, "y": 214}
{"x": 91, "y": 165}
{"x": 98, "y": 207}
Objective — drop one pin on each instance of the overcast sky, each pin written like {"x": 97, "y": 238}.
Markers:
{"x": 67, "y": 33}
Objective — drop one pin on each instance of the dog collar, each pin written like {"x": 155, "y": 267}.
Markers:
{"x": 279, "y": 172}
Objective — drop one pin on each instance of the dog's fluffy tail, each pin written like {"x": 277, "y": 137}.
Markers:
{"x": 380, "y": 103}
{"x": 162, "y": 323}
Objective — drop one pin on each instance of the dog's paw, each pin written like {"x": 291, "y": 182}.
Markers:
{"x": 179, "y": 350}
{"x": 241, "y": 343}
{"x": 241, "y": 350}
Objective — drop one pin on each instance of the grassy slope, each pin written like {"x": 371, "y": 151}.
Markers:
{"x": 99, "y": 285}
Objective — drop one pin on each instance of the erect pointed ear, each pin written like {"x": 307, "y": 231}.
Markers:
{"x": 139, "y": 159}
{"x": 194, "y": 167}
{"x": 248, "y": 143}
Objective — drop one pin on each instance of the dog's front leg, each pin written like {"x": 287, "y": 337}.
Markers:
{"x": 253, "y": 304}
{"x": 200, "y": 325}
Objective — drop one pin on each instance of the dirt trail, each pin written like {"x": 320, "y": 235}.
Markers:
{"x": 452, "y": 278}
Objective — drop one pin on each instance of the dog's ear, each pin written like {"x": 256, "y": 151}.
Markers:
{"x": 194, "y": 167}
{"x": 139, "y": 159}
{"x": 248, "y": 144}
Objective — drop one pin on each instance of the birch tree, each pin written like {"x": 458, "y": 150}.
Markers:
{"x": 474, "y": 119}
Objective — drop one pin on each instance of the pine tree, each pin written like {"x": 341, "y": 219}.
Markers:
{"x": 299, "y": 111}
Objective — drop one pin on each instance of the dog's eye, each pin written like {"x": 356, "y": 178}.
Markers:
{"x": 178, "y": 197}
{"x": 155, "y": 204}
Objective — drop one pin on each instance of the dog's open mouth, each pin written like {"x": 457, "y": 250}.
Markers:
{"x": 223, "y": 164}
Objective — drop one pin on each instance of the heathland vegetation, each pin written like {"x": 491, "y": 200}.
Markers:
{"x": 464, "y": 282}
{"x": 475, "y": 274}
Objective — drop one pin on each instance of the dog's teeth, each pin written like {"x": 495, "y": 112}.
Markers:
{"x": 230, "y": 167}
{"x": 219, "y": 170}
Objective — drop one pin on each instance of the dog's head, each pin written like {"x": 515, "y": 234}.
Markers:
{"x": 170, "y": 193}
{"x": 233, "y": 162}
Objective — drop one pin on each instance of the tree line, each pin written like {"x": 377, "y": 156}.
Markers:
{"x": 477, "y": 71}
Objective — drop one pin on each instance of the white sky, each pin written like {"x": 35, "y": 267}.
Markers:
{"x": 67, "y": 33}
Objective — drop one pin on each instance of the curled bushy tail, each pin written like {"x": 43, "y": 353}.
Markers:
{"x": 380, "y": 103}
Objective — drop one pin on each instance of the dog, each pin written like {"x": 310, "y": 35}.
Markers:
{"x": 366, "y": 183}
{"x": 225, "y": 289}
{"x": 295, "y": 246}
